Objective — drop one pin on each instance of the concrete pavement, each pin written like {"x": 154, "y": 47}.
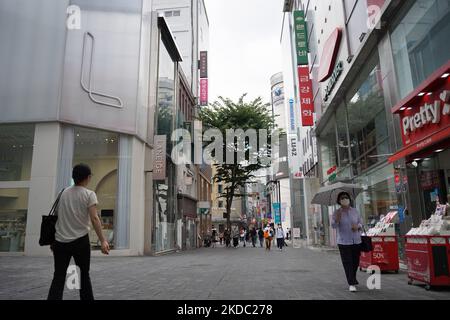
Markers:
{"x": 211, "y": 273}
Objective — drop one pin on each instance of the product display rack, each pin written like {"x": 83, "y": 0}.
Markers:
{"x": 384, "y": 254}
{"x": 428, "y": 259}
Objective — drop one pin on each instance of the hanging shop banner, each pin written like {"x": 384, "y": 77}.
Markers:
{"x": 306, "y": 96}
{"x": 203, "y": 92}
{"x": 203, "y": 64}
{"x": 301, "y": 38}
{"x": 159, "y": 158}
{"x": 277, "y": 212}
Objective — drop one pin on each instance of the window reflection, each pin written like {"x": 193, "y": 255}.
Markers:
{"x": 16, "y": 152}
{"x": 165, "y": 219}
{"x": 328, "y": 147}
{"x": 13, "y": 217}
{"x": 100, "y": 151}
{"x": 367, "y": 118}
{"x": 420, "y": 43}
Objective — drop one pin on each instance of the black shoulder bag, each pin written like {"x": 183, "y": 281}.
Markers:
{"x": 48, "y": 224}
{"x": 366, "y": 242}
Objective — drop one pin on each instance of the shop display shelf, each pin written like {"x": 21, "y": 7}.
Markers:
{"x": 384, "y": 254}
{"x": 428, "y": 259}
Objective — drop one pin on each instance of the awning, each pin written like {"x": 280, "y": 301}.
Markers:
{"x": 422, "y": 144}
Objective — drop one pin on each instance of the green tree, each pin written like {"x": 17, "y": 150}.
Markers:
{"x": 226, "y": 114}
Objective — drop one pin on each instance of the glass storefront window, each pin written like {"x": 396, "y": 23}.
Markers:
{"x": 100, "y": 150}
{"x": 367, "y": 118}
{"x": 434, "y": 181}
{"x": 420, "y": 43}
{"x": 166, "y": 94}
{"x": 16, "y": 152}
{"x": 379, "y": 195}
{"x": 343, "y": 146}
{"x": 13, "y": 217}
{"x": 164, "y": 236}
{"x": 328, "y": 147}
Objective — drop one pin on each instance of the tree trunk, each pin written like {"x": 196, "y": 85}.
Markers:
{"x": 229, "y": 202}
{"x": 228, "y": 215}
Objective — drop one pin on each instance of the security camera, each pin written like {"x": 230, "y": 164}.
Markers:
{"x": 414, "y": 164}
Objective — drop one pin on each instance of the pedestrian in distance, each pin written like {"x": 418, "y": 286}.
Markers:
{"x": 261, "y": 237}
{"x": 253, "y": 235}
{"x": 221, "y": 237}
{"x": 77, "y": 205}
{"x": 242, "y": 236}
{"x": 235, "y": 236}
{"x": 347, "y": 221}
{"x": 280, "y": 237}
{"x": 214, "y": 237}
{"x": 227, "y": 237}
{"x": 268, "y": 235}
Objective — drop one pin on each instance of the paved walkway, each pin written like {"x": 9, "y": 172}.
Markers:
{"x": 211, "y": 273}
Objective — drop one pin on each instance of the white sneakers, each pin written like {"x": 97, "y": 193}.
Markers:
{"x": 352, "y": 289}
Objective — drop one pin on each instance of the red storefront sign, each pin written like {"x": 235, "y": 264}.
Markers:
{"x": 329, "y": 55}
{"x": 331, "y": 170}
{"x": 306, "y": 96}
{"x": 203, "y": 92}
{"x": 425, "y": 114}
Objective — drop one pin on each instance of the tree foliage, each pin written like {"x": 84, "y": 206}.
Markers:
{"x": 226, "y": 114}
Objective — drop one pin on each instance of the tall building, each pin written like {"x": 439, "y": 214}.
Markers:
{"x": 189, "y": 24}
{"x": 97, "y": 82}
{"x": 373, "y": 64}
{"x": 188, "y": 21}
{"x": 281, "y": 191}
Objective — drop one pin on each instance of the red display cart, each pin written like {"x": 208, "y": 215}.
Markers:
{"x": 428, "y": 259}
{"x": 384, "y": 254}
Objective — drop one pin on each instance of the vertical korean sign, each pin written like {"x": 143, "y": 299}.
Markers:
{"x": 203, "y": 92}
{"x": 301, "y": 39}
{"x": 203, "y": 64}
{"x": 203, "y": 78}
{"x": 306, "y": 96}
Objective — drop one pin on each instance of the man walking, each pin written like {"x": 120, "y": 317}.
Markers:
{"x": 76, "y": 207}
{"x": 280, "y": 237}
{"x": 261, "y": 237}
{"x": 253, "y": 236}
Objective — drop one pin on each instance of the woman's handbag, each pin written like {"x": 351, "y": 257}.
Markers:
{"x": 366, "y": 242}
{"x": 48, "y": 224}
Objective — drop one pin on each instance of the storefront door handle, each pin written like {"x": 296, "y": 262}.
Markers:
{"x": 88, "y": 88}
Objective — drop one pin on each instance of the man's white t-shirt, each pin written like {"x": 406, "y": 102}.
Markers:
{"x": 73, "y": 213}
{"x": 280, "y": 233}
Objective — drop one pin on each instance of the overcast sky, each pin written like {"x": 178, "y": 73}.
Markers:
{"x": 244, "y": 47}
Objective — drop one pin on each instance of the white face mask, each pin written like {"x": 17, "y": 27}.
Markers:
{"x": 345, "y": 202}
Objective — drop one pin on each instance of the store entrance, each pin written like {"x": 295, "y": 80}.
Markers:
{"x": 434, "y": 181}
